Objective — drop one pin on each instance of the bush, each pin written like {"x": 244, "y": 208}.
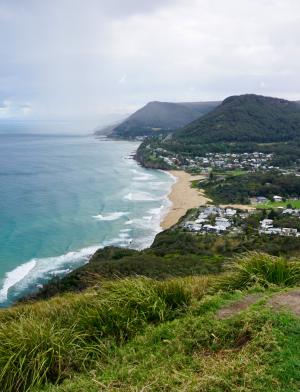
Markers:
{"x": 46, "y": 341}
{"x": 262, "y": 269}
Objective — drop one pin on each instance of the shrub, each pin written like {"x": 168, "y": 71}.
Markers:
{"x": 45, "y": 341}
{"x": 262, "y": 269}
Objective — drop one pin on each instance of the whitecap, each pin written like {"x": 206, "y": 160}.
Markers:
{"x": 40, "y": 268}
{"x": 123, "y": 235}
{"x": 129, "y": 222}
{"x": 110, "y": 216}
{"x": 140, "y": 196}
{"x": 15, "y": 276}
{"x": 156, "y": 184}
{"x": 125, "y": 230}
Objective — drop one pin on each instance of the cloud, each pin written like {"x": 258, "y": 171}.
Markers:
{"x": 5, "y": 108}
{"x": 10, "y": 109}
{"x": 71, "y": 59}
{"x": 26, "y": 109}
{"x": 123, "y": 79}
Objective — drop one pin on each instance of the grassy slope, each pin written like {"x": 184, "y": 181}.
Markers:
{"x": 142, "y": 334}
{"x": 257, "y": 350}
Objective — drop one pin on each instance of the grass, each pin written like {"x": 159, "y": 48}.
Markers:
{"x": 47, "y": 341}
{"x": 254, "y": 351}
{"x": 273, "y": 204}
{"x": 236, "y": 172}
{"x": 139, "y": 334}
{"x": 260, "y": 269}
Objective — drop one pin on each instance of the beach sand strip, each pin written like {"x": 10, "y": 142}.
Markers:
{"x": 183, "y": 197}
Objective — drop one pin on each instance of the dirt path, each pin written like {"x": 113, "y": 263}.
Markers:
{"x": 290, "y": 300}
{"x": 238, "y": 306}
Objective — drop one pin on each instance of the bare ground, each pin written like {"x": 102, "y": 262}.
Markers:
{"x": 238, "y": 306}
{"x": 290, "y": 301}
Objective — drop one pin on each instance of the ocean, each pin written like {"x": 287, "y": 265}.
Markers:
{"x": 63, "y": 197}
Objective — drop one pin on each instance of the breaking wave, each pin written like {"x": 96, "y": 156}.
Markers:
{"x": 110, "y": 216}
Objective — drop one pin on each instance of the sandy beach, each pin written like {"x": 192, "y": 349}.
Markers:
{"x": 183, "y": 197}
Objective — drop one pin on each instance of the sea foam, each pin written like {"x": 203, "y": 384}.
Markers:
{"x": 14, "y": 276}
{"x": 141, "y": 196}
{"x": 110, "y": 216}
{"x": 30, "y": 272}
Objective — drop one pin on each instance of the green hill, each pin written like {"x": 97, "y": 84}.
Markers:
{"x": 245, "y": 123}
{"x": 246, "y": 118}
{"x": 157, "y": 117}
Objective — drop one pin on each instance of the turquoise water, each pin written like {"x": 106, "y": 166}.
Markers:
{"x": 63, "y": 197}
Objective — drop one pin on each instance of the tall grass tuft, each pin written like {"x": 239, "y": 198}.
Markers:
{"x": 260, "y": 269}
{"x": 46, "y": 341}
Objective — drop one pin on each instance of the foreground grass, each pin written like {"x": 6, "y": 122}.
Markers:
{"x": 141, "y": 334}
{"x": 257, "y": 350}
{"x": 47, "y": 341}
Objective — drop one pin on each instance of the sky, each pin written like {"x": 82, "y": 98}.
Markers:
{"x": 98, "y": 60}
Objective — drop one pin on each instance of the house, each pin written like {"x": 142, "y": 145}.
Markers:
{"x": 277, "y": 198}
{"x": 289, "y": 231}
{"x": 272, "y": 230}
{"x": 261, "y": 199}
{"x": 222, "y": 223}
{"x": 266, "y": 223}
{"x": 288, "y": 211}
{"x": 214, "y": 229}
{"x": 230, "y": 212}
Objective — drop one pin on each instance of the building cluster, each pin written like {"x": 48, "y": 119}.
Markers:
{"x": 291, "y": 212}
{"x": 219, "y": 220}
{"x": 267, "y": 227}
{"x": 263, "y": 199}
{"x": 214, "y": 219}
{"x": 245, "y": 161}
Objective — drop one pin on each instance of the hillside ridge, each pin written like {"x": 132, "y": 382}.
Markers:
{"x": 156, "y": 117}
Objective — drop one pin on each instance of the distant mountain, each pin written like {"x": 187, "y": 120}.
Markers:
{"x": 156, "y": 117}
{"x": 245, "y": 118}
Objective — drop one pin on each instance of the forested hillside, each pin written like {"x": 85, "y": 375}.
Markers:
{"x": 157, "y": 117}
{"x": 246, "y": 118}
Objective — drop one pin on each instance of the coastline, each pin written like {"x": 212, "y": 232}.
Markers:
{"x": 183, "y": 197}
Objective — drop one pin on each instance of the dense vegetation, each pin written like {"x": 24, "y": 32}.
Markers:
{"x": 239, "y": 189}
{"x": 175, "y": 254}
{"x": 157, "y": 117}
{"x": 247, "y": 118}
{"x": 245, "y": 123}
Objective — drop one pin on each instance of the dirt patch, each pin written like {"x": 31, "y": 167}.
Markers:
{"x": 290, "y": 300}
{"x": 238, "y": 306}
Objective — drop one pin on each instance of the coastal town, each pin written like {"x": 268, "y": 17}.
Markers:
{"x": 246, "y": 161}
{"x": 251, "y": 161}
{"x": 227, "y": 220}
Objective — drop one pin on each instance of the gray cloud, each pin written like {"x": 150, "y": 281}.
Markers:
{"x": 89, "y": 59}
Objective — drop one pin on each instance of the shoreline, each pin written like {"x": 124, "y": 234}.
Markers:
{"x": 182, "y": 197}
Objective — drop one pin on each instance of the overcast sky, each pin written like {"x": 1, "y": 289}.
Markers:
{"x": 95, "y": 59}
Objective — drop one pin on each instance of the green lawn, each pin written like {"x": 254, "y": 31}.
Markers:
{"x": 236, "y": 172}
{"x": 273, "y": 204}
